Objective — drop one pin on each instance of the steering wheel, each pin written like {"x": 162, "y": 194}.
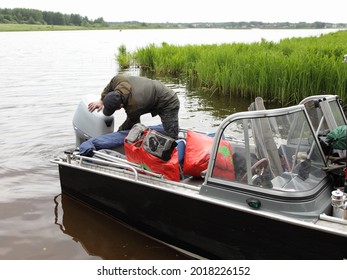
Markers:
{"x": 260, "y": 164}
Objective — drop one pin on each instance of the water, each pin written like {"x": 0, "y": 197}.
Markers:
{"x": 43, "y": 76}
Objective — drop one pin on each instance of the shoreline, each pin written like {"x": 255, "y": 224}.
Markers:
{"x": 12, "y": 27}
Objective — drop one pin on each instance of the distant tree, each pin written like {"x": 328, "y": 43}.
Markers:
{"x": 67, "y": 19}
{"x": 58, "y": 19}
{"x": 32, "y": 16}
{"x": 76, "y": 20}
{"x": 100, "y": 22}
{"x": 48, "y": 17}
{"x": 319, "y": 24}
{"x": 302, "y": 25}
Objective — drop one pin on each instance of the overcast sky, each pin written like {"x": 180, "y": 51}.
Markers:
{"x": 334, "y": 11}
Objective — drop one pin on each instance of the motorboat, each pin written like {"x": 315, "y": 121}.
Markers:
{"x": 268, "y": 184}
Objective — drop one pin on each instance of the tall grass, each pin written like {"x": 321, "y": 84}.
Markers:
{"x": 123, "y": 57}
{"x": 286, "y": 71}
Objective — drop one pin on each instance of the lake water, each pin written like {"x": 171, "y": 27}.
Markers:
{"x": 43, "y": 77}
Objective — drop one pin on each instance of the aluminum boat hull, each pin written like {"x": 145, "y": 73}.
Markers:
{"x": 200, "y": 226}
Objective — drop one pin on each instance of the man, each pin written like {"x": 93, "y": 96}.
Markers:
{"x": 138, "y": 96}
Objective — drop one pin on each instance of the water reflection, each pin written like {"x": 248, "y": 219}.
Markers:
{"x": 104, "y": 237}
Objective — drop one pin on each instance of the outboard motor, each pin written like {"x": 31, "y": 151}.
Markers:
{"x": 87, "y": 124}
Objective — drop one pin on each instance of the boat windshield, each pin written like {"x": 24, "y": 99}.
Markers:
{"x": 325, "y": 112}
{"x": 274, "y": 149}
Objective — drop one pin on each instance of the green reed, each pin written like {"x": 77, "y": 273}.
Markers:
{"x": 123, "y": 57}
{"x": 286, "y": 71}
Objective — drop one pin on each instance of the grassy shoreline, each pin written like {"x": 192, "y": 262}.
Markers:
{"x": 287, "y": 71}
{"x": 12, "y": 27}
{"x": 5, "y": 27}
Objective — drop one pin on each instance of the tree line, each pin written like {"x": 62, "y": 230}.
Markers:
{"x": 32, "y": 16}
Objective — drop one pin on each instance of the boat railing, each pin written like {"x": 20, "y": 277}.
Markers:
{"x": 82, "y": 159}
{"x": 108, "y": 160}
{"x": 105, "y": 159}
{"x": 126, "y": 162}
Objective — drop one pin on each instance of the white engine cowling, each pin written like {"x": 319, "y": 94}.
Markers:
{"x": 87, "y": 124}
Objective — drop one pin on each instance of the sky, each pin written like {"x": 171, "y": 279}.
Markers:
{"x": 186, "y": 11}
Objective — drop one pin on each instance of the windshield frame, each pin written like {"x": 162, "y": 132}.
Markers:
{"x": 253, "y": 115}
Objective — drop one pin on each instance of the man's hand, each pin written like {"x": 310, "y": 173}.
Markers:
{"x": 95, "y": 105}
